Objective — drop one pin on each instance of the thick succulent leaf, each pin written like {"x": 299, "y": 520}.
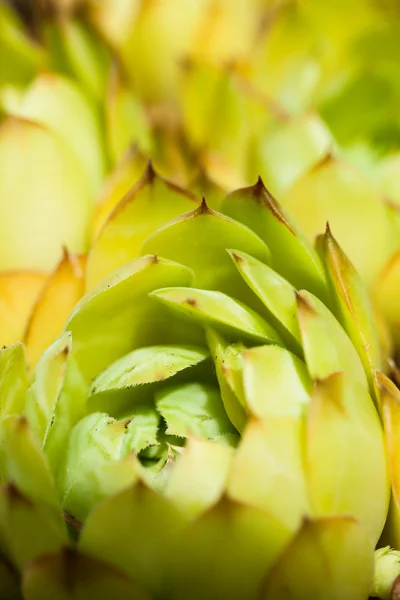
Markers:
{"x": 199, "y": 478}
{"x": 227, "y": 362}
{"x": 97, "y": 463}
{"x": 120, "y": 304}
{"x": 209, "y": 261}
{"x": 275, "y": 382}
{"x": 389, "y": 399}
{"x": 292, "y": 254}
{"x": 268, "y": 471}
{"x": 130, "y": 378}
{"x": 28, "y": 528}
{"x": 135, "y": 531}
{"x": 353, "y": 305}
{"x": 24, "y": 463}
{"x": 60, "y": 196}
{"x": 152, "y": 202}
{"x": 141, "y": 430}
{"x": 9, "y": 584}
{"x": 327, "y": 348}
{"x": 13, "y": 380}
{"x": 386, "y": 293}
{"x": 69, "y": 575}
{"x": 277, "y": 294}
{"x": 19, "y": 291}
{"x": 193, "y": 407}
{"x": 62, "y": 290}
{"x": 205, "y": 187}
{"x": 225, "y": 553}
{"x": 336, "y": 191}
{"x": 58, "y": 103}
{"x": 116, "y": 185}
{"x": 345, "y": 455}
{"x": 56, "y": 400}
{"x": 220, "y": 311}
{"x": 328, "y": 559}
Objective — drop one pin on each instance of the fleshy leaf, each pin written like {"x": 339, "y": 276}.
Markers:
{"x": 217, "y": 309}
{"x": 149, "y": 204}
{"x": 225, "y": 553}
{"x": 389, "y": 399}
{"x": 13, "y": 380}
{"x": 69, "y": 575}
{"x": 28, "y": 528}
{"x": 122, "y": 306}
{"x": 227, "y": 362}
{"x": 193, "y": 407}
{"x": 353, "y": 305}
{"x": 129, "y": 379}
{"x": 328, "y": 559}
{"x": 24, "y": 464}
{"x": 292, "y": 254}
{"x": 387, "y": 571}
{"x": 326, "y": 346}
{"x": 154, "y": 524}
{"x": 209, "y": 261}
{"x": 62, "y": 290}
{"x": 268, "y": 471}
{"x": 275, "y": 382}
{"x": 277, "y": 294}
{"x": 19, "y": 291}
{"x": 352, "y": 479}
{"x": 386, "y": 293}
{"x": 200, "y": 476}
{"x": 97, "y": 464}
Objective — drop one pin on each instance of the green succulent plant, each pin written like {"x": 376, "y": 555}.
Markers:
{"x": 208, "y": 424}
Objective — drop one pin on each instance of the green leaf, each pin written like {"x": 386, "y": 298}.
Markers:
{"x": 87, "y": 579}
{"x": 193, "y": 407}
{"x": 326, "y": 558}
{"x": 134, "y": 531}
{"x": 277, "y": 294}
{"x": 28, "y": 528}
{"x": 113, "y": 318}
{"x": 219, "y": 310}
{"x": 292, "y": 254}
{"x": 275, "y": 381}
{"x": 13, "y": 380}
{"x": 208, "y": 258}
{"x": 130, "y": 378}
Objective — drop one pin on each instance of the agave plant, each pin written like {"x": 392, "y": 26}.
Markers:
{"x": 208, "y": 423}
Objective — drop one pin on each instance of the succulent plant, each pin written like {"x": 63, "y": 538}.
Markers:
{"x": 205, "y": 426}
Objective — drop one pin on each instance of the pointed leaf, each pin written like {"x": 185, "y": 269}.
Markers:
{"x": 328, "y": 559}
{"x": 134, "y": 531}
{"x": 268, "y": 471}
{"x": 120, "y": 303}
{"x": 193, "y": 407}
{"x": 275, "y": 382}
{"x": 28, "y": 528}
{"x": 200, "y": 476}
{"x": 69, "y": 575}
{"x": 327, "y": 348}
{"x": 149, "y": 204}
{"x": 130, "y": 378}
{"x": 277, "y": 294}
{"x": 225, "y": 553}
{"x": 175, "y": 241}
{"x": 219, "y": 310}
{"x": 13, "y": 380}
{"x": 345, "y": 455}
{"x": 292, "y": 254}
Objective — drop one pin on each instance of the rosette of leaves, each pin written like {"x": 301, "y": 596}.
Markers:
{"x": 208, "y": 424}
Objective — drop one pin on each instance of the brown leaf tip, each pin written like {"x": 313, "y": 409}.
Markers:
{"x": 236, "y": 257}
{"x": 149, "y": 174}
{"x": 191, "y": 302}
